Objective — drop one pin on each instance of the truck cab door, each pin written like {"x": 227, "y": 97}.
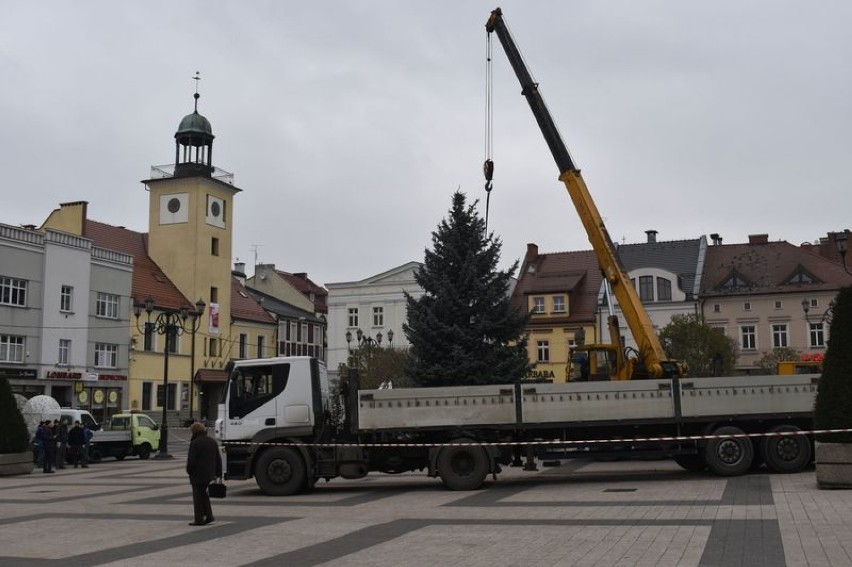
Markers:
{"x": 145, "y": 431}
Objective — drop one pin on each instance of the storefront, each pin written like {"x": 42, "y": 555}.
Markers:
{"x": 101, "y": 394}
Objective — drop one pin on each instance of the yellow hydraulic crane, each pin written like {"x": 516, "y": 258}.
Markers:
{"x": 603, "y": 361}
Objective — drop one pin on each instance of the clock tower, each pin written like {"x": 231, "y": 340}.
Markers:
{"x": 190, "y": 227}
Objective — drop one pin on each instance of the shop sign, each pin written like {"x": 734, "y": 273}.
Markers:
{"x": 18, "y": 373}
{"x": 63, "y": 375}
{"x": 112, "y": 377}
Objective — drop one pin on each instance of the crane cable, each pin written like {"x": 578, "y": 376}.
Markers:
{"x": 488, "y": 166}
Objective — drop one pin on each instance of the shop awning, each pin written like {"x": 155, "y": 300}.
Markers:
{"x": 206, "y": 375}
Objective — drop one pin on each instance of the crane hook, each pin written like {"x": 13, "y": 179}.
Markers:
{"x": 488, "y": 170}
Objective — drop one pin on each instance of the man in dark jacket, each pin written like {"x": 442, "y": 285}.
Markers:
{"x": 76, "y": 440}
{"x": 203, "y": 465}
{"x": 49, "y": 440}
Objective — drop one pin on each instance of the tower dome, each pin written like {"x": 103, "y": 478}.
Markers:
{"x": 195, "y": 136}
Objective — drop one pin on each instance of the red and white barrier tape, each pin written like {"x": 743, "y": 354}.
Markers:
{"x": 550, "y": 441}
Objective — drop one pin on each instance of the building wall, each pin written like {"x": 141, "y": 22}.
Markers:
{"x": 385, "y": 291}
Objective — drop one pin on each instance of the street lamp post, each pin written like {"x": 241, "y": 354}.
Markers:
{"x": 824, "y": 318}
{"x": 366, "y": 342}
{"x": 170, "y": 323}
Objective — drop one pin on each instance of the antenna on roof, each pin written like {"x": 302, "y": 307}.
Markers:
{"x": 255, "y": 248}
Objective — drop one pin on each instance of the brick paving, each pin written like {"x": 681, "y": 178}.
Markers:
{"x": 646, "y": 513}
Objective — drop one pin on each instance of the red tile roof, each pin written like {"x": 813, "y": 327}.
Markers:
{"x": 575, "y": 272}
{"x": 767, "y": 267}
{"x": 244, "y": 306}
{"x": 303, "y": 283}
{"x": 148, "y": 278}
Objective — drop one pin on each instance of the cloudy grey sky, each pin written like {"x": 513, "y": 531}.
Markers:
{"x": 348, "y": 125}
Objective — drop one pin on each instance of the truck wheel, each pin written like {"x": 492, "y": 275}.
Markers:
{"x": 95, "y": 455}
{"x": 120, "y": 455}
{"x": 693, "y": 463}
{"x": 788, "y": 453}
{"x": 144, "y": 451}
{"x": 463, "y": 468}
{"x": 729, "y": 456}
{"x": 280, "y": 472}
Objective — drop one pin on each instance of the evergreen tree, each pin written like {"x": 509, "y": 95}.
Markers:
{"x": 14, "y": 436}
{"x": 705, "y": 350}
{"x": 464, "y": 330}
{"x": 834, "y": 393}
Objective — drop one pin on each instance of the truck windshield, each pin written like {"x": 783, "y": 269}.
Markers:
{"x": 252, "y": 386}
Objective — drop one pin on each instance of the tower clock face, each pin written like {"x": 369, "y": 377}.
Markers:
{"x": 215, "y": 209}
{"x": 174, "y": 208}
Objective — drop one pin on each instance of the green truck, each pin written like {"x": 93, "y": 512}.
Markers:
{"x": 132, "y": 433}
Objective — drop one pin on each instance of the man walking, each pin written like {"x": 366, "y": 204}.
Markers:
{"x": 203, "y": 465}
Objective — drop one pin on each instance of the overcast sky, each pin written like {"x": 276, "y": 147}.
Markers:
{"x": 348, "y": 125}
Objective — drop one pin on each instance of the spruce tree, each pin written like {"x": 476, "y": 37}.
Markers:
{"x": 464, "y": 330}
{"x": 14, "y": 436}
{"x": 834, "y": 394}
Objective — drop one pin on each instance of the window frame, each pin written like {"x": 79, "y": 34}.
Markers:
{"x": 664, "y": 289}
{"x": 379, "y": 316}
{"x": 66, "y": 299}
{"x": 106, "y": 305}
{"x": 816, "y": 335}
{"x": 63, "y": 356}
{"x": 558, "y": 303}
{"x": 543, "y": 351}
{"x": 646, "y": 288}
{"x": 13, "y": 291}
{"x": 353, "y": 317}
{"x": 750, "y": 332}
{"x": 12, "y": 348}
{"x": 780, "y": 335}
{"x": 538, "y": 304}
{"x": 108, "y": 351}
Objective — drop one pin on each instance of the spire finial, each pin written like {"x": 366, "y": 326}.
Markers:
{"x": 196, "y": 78}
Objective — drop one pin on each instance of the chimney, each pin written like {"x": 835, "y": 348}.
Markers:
{"x": 302, "y": 275}
{"x": 716, "y": 238}
{"x": 758, "y": 239}
{"x": 239, "y": 271}
{"x": 532, "y": 252}
{"x": 652, "y": 236}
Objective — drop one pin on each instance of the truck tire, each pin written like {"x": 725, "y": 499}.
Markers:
{"x": 119, "y": 456}
{"x": 144, "y": 451}
{"x": 95, "y": 455}
{"x": 280, "y": 471}
{"x": 789, "y": 453}
{"x": 729, "y": 456}
{"x": 464, "y": 467}
{"x": 694, "y": 463}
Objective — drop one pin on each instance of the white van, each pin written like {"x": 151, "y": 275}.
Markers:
{"x": 69, "y": 416}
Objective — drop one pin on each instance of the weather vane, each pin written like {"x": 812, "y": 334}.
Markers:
{"x": 196, "y": 78}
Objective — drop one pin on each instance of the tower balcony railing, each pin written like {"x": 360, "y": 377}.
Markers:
{"x": 164, "y": 171}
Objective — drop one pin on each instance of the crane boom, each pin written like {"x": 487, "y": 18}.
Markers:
{"x": 651, "y": 352}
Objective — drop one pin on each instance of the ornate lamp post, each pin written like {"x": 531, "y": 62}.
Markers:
{"x": 825, "y": 318}
{"x": 367, "y": 342}
{"x": 170, "y": 323}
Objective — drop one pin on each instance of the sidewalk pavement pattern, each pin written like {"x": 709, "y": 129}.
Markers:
{"x": 646, "y": 513}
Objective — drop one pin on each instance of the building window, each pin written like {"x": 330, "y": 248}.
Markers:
{"x": 11, "y": 348}
{"x": 543, "y": 351}
{"x": 378, "y": 316}
{"x": 779, "y": 336}
{"x": 13, "y": 292}
{"x": 259, "y": 346}
{"x": 214, "y": 246}
{"x": 538, "y": 305}
{"x": 148, "y": 340}
{"x": 146, "y": 396}
{"x": 172, "y": 341}
{"x": 664, "y": 289}
{"x": 214, "y": 295}
{"x": 646, "y": 288}
{"x": 559, "y": 304}
{"x": 817, "y": 334}
{"x": 243, "y": 345}
{"x": 106, "y": 305}
{"x": 66, "y": 298}
{"x": 353, "y": 316}
{"x": 172, "y": 395}
{"x": 212, "y": 349}
{"x": 106, "y": 355}
{"x": 747, "y": 306}
{"x": 779, "y": 305}
{"x": 64, "y": 351}
{"x": 748, "y": 337}
{"x": 717, "y": 308}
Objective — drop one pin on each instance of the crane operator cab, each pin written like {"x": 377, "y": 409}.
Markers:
{"x": 593, "y": 363}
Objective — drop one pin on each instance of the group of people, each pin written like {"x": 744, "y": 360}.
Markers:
{"x": 54, "y": 443}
